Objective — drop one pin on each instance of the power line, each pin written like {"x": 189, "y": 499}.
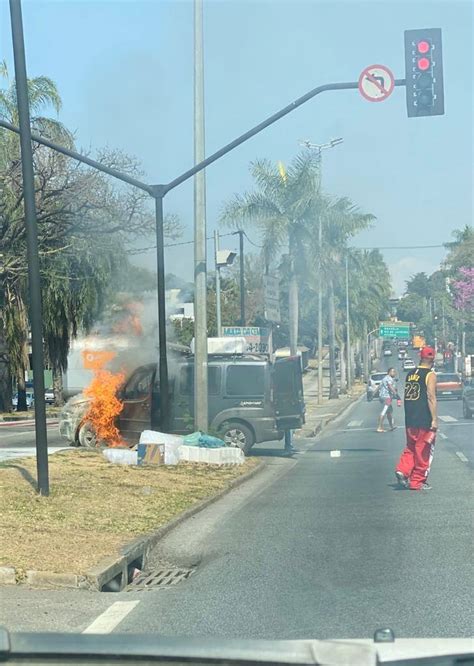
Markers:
{"x": 191, "y": 242}
{"x": 251, "y": 241}
{"x": 400, "y": 247}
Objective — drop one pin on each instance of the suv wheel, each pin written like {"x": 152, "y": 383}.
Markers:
{"x": 87, "y": 436}
{"x": 466, "y": 412}
{"x": 238, "y": 434}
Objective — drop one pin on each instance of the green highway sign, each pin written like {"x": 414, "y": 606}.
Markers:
{"x": 394, "y": 331}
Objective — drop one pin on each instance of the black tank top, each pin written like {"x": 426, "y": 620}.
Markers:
{"x": 417, "y": 412}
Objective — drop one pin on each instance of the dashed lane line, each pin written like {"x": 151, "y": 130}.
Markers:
{"x": 111, "y": 618}
{"x": 461, "y": 456}
{"x": 354, "y": 424}
{"x": 442, "y": 435}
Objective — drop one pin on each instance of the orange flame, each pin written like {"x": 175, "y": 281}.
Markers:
{"x": 104, "y": 405}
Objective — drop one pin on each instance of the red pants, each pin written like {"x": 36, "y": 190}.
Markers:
{"x": 415, "y": 461}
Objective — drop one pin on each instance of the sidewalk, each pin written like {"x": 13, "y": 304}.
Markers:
{"x": 318, "y": 415}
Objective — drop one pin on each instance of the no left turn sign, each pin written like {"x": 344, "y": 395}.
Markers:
{"x": 376, "y": 83}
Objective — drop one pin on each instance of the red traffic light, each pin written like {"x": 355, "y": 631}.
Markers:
{"x": 423, "y": 46}
{"x": 423, "y": 64}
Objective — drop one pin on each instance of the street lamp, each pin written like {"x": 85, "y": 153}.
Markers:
{"x": 223, "y": 258}
{"x": 319, "y": 147}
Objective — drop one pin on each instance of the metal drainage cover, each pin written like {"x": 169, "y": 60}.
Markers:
{"x": 158, "y": 579}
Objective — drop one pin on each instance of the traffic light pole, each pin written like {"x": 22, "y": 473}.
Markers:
{"x": 34, "y": 278}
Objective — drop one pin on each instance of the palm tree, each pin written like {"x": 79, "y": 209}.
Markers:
{"x": 341, "y": 220}
{"x": 282, "y": 208}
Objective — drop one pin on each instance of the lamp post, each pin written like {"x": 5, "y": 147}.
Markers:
{"x": 222, "y": 258}
{"x": 319, "y": 148}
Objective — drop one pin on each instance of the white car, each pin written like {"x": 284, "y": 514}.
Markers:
{"x": 374, "y": 383}
{"x": 409, "y": 364}
{"x": 402, "y": 354}
{"x": 387, "y": 352}
{"x": 30, "y": 400}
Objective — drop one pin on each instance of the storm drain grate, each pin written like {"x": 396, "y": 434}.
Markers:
{"x": 160, "y": 579}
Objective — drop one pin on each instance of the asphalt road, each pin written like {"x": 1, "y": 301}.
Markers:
{"x": 322, "y": 546}
{"x": 18, "y": 439}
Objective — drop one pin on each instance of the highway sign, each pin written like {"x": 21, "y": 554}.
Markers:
{"x": 394, "y": 331}
{"x": 376, "y": 83}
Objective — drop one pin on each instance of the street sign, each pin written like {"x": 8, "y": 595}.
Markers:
{"x": 376, "y": 83}
{"x": 272, "y": 298}
{"x": 256, "y": 338}
{"x": 394, "y": 330}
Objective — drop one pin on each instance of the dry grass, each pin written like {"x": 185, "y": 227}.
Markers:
{"x": 94, "y": 507}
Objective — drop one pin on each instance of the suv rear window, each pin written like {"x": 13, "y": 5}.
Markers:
{"x": 245, "y": 380}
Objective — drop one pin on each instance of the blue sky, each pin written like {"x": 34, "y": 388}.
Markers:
{"x": 125, "y": 72}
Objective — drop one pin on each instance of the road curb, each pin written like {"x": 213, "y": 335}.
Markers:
{"x": 114, "y": 576}
{"x": 326, "y": 420}
{"x": 113, "y": 573}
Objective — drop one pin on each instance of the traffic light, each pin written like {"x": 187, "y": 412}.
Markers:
{"x": 424, "y": 72}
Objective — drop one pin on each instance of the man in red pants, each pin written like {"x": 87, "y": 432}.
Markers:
{"x": 421, "y": 423}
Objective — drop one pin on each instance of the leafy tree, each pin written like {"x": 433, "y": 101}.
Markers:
{"x": 419, "y": 284}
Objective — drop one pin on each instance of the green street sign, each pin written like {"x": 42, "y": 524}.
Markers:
{"x": 390, "y": 331}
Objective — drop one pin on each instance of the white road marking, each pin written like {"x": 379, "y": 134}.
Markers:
{"x": 335, "y": 453}
{"x": 111, "y": 618}
{"x": 11, "y": 453}
{"x": 442, "y": 435}
{"x": 461, "y": 456}
{"x": 447, "y": 419}
{"x": 354, "y": 424}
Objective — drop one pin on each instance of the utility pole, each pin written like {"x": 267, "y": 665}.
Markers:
{"x": 348, "y": 334}
{"x": 34, "y": 278}
{"x": 365, "y": 353}
{"x": 218, "y": 285}
{"x": 200, "y": 267}
{"x": 319, "y": 148}
{"x": 242, "y": 277}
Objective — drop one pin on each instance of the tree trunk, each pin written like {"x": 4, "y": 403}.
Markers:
{"x": 5, "y": 378}
{"x": 293, "y": 305}
{"x": 333, "y": 390}
{"x": 58, "y": 387}
{"x": 343, "y": 367}
{"x": 293, "y": 313}
{"x": 21, "y": 405}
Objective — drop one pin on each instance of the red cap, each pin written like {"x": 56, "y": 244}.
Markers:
{"x": 427, "y": 352}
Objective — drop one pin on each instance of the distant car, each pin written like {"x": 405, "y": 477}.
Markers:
{"x": 374, "y": 383}
{"x": 49, "y": 396}
{"x": 387, "y": 352}
{"x": 408, "y": 364}
{"x": 402, "y": 354}
{"x": 468, "y": 399}
{"x": 30, "y": 400}
{"x": 448, "y": 385}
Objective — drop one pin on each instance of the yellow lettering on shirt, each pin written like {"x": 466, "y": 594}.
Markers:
{"x": 413, "y": 378}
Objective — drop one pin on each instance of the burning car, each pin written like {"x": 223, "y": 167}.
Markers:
{"x": 250, "y": 400}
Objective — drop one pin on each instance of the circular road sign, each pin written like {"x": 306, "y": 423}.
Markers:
{"x": 376, "y": 83}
